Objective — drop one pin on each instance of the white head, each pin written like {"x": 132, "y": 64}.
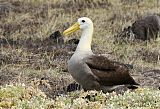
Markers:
{"x": 83, "y": 23}
{"x": 86, "y": 25}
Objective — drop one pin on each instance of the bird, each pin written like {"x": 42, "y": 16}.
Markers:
{"x": 146, "y": 28}
{"x": 57, "y": 37}
{"x": 95, "y": 71}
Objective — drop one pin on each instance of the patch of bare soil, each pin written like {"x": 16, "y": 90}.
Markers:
{"x": 150, "y": 78}
{"x": 42, "y": 51}
{"x": 130, "y": 2}
{"x": 149, "y": 56}
{"x": 23, "y": 7}
{"x": 27, "y": 26}
{"x": 4, "y": 10}
{"x": 48, "y": 82}
{"x": 51, "y": 85}
{"x": 80, "y": 5}
{"x": 28, "y": 23}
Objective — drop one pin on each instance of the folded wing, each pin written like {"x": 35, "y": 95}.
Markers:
{"x": 109, "y": 72}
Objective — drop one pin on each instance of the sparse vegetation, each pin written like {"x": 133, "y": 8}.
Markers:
{"x": 28, "y": 97}
{"x": 29, "y": 57}
{"x": 141, "y": 98}
{"x": 21, "y": 96}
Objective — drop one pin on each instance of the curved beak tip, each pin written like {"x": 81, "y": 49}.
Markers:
{"x": 72, "y": 29}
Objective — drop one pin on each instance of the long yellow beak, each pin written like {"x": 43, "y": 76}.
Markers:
{"x": 72, "y": 29}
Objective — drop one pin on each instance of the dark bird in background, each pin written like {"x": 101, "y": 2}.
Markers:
{"x": 55, "y": 35}
{"x": 57, "y": 38}
{"x": 146, "y": 28}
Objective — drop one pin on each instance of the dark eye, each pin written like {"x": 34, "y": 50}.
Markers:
{"x": 83, "y": 21}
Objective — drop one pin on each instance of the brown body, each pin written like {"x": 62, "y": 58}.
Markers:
{"x": 146, "y": 28}
{"x": 109, "y": 72}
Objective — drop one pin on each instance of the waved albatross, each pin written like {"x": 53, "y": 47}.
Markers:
{"x": 95, "y": 72}
{"x": 146, "y": 28}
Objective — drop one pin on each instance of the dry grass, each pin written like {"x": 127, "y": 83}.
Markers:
{"x": 25, "y": 25}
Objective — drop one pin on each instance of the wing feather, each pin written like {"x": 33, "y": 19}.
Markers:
{"x": 109, "y": 72}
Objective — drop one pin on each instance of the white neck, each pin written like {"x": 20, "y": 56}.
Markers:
{"x": 85, "y": 41}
